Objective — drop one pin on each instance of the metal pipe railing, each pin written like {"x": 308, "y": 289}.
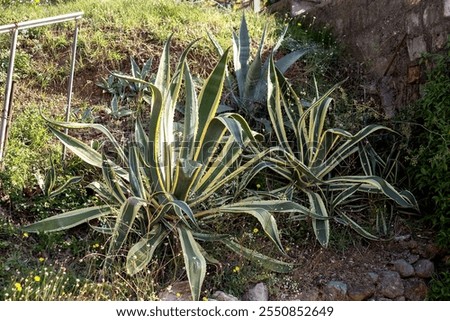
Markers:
{"x": 41, "y": 22}
{"x": 15, "y": 28}
{"x": 70, "y": 84}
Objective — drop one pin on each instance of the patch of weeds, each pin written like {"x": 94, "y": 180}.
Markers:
{"x": 44, "y": 283}
{"x": 52, "y": 282}
{"x": 235, "y": 278}
{"x": 440, "y": 287}
{"x": 281, "y": 286}
{"x": 41, "y": 206}
{"x": 322, "y": 61}
{"x": 343, "y": 238}
{"x": 7, "y": 241}
{"x": 22, "y": 64}
{"x": 29, "y": 147}
{"x": 234, "y": 274}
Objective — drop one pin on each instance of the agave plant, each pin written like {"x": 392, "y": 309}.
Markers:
{"x": 248, "y": 85}
{"x": 168, "y": 180}
{"x": 308, "y": 155}
{"x": 126, "y": 91}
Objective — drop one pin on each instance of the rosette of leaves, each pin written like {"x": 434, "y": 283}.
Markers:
{"x": 308, "y": 155}
{"x": 127, "y": 91}
{"x": 165, "y": 183}
{"x": 247, "y": 83}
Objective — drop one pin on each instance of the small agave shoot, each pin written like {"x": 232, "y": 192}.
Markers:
{"x": 127, "y": 93}
{"x": 308, "y": 155}
{"x": 165, "y": 182}
{"x": 247, "y": 84}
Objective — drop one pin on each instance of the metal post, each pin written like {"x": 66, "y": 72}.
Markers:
{"x": 8, "y": 91}
{"x": 70, "y": 85}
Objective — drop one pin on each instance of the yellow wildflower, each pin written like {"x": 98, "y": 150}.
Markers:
{"x": 96, "y": 245}
{"x": 236, "y": 269}
{"x": 37, "y": 278}
{"x": 25, "y": 235}
{"x": 41, "y": 259}
{"x": 205, "y": 298}
{"x": 18, "y": 286}
{"x": 255, "y": 230}
{"x": 178, "y": 294}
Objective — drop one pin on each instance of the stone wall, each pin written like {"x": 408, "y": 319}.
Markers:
{"x": 388, "y": 37}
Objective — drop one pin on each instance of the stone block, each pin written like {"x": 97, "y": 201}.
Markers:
{"x": 412, "y": 2}
{"x": 413, "y": 77}
{"x": 438, "y": 36}
{"x": 413, "y": 23}
{"x": 301, "y": 7}
{"x": 446, "y": 8}
{"x": 416, "y": 46}
{"x": 431, "y": 15}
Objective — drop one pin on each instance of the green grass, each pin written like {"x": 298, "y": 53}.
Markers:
{"x": 110, "y": 27}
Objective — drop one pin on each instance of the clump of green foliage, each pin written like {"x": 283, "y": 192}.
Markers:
{"x": 429, "y": 145}
{"x": 440, "y": 287}
{"x": 28, "y": 150}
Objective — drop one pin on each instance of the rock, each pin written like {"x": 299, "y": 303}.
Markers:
{"x": 259, "y": 292}
{"x": 416, "y": 47}
{"x": 390, "y": 284}
{"x": 415, "y": 289}
{"x": 413, "y": 258}
{"x": 402, "y": 238}
{"x": 400, "y": 298}
{"x": 222, "y": 296}
{"x": 424, "y": 268}
{"x": 335, "y": 290}
{"x": 179, "y": 291}
{"x": 373, "y": 277}
{"x": 403, "y": 268}
{"x": 361, "y": 292}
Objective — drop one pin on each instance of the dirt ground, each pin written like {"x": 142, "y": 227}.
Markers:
{"x": 352, "y": 265}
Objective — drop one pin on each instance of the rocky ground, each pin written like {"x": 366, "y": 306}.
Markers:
{"x": 395, "y": 270}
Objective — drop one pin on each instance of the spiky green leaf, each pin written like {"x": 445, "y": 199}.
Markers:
{"x": 68, "y": 220}
{"x": 194, "y": 261}
{"x": 256, "y": 257}
{"x": 142, "y": 252}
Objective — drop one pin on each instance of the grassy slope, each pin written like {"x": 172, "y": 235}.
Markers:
{"x": 113, "y": 29}
{"x": 111, "y": 32}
